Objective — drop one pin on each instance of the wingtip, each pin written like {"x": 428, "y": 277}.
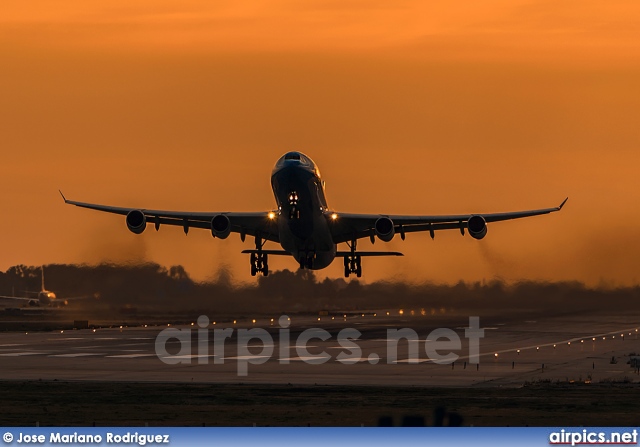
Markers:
{"x": 63, "y": 197}
{"x": 563, "y": 202}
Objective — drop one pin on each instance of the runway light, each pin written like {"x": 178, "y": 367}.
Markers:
{"x": 145, "y": 325}
{"x": 594, "y": 339}
{"x": 234, "y": 321}
{"x": 191, "y": 324}
{"x": 120, "y": 327}
{"x": 318, "y": 318}
{"x": 604, "y": 338}
{"x": 387, "y": 314}
{"x": 537, "y": 348}
{"x": 272, "y": 320}
{"x": 62, "y": 332}
{"x": 518, "y": 351}
{"x": 401, "y": 312}
{"x": 214, "y": 322}
{"x": 581, "y": 341}
{"x": 333, "y": 318}
{"x": 95, "y": 330}
{"x": 344, "y": 316}
{"x": 496, "y": 354}
{"x": 253, "y": 321}
{"x": 569, "y": 343}
{"x": 554, "y": 346}
{"x": 363, "y": 315}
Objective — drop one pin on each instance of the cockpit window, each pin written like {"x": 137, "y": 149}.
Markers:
{"x": 292, "y": 156}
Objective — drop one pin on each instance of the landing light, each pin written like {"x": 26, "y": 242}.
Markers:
{"x": 272, "y": 215}
{"x": 334, "y": 216}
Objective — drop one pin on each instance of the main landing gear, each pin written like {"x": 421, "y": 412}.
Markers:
{"x": 259, "y": 260}
{"x": 306, "y": 260}
{"x": 353, "y": 262}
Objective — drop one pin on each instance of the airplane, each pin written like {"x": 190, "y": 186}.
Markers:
{"x": 304, "y": 225}
{"x": 45, "y": 297}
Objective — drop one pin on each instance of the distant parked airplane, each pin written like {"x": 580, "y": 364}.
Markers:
{"x": 304, "y": 225}
{"x": 46, "y": 298}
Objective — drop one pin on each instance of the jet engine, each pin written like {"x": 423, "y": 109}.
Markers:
{"x": 220, "y": 226}
{"x": 136, "y": 221}
{"x": 384, "y": 229}
{"x": 477, "y": 227}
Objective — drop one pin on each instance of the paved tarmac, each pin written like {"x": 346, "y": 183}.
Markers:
{"x": 513, "y": 351}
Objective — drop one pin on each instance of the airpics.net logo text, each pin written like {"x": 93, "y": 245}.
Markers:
{"x": 441, "y": 345}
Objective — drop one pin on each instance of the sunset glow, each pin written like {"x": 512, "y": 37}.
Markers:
{"x": 407, "y": 107}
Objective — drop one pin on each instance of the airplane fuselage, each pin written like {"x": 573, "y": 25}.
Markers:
{"x": 303, "y": 224}
{"x": 303, "y": 218}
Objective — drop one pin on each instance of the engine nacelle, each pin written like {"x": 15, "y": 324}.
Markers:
{"x": 136, "y": 221}
{"x": 477, "y": 227}
{"x": 385, "y": 229}
{"x": 220, "y": 226}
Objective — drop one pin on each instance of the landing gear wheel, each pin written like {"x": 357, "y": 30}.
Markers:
{"x": 353, "y": 264}
{"x": 302, "y": 261}
{"x": 259, "y": 263}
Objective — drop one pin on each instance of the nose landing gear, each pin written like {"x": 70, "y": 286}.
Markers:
{"x": 294, "y": 212}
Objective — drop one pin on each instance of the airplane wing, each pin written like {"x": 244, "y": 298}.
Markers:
{"x": 15, "y": 298}
{"x": 260, "y": 224}
{"x": 347, "y": 227}
{"x": 83, "y": 297}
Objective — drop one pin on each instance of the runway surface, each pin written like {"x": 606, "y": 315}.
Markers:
{"x": 513, "y": 351}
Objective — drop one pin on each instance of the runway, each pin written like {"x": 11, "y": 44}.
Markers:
{"x": 513, "y": 351}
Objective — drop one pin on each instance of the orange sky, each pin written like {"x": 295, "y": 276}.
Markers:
{"x": 407, "y": 107}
